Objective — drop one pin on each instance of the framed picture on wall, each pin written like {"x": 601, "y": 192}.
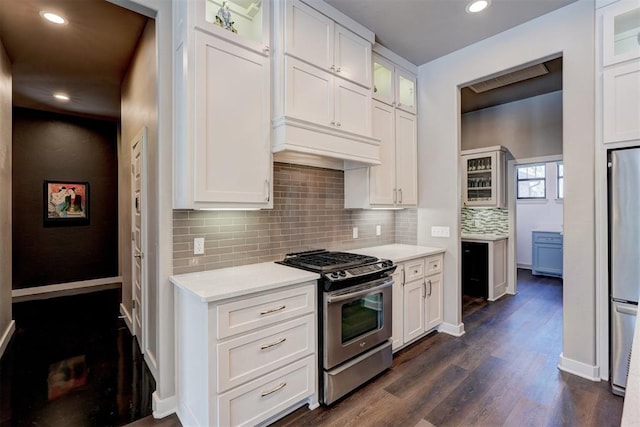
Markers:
{"x": 66, "y": 203}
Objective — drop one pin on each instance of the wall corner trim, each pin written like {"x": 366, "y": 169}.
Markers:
{"x": 163, "y": 407}
{"x": 6, "y": 336}
{"x": 590, "y": 372}
{"x": 451, "y": 329}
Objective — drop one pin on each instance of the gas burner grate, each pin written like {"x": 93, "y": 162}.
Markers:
{"x": 322, "y": 260}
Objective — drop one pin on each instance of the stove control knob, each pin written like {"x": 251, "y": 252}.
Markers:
{"x": 334, "y": 275}
{"x": 342, "y": 273}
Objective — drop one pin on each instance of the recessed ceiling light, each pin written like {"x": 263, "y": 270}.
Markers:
{"x": 53, "y": 17}
{"x": 477, "y": 6}
{"x": 61, "y": 96}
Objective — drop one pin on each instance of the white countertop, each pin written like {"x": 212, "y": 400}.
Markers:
{"x": 398, "y": 252}
{"x": 215, "y": 285}
{"x": 484, "y": 237}
{"x": 631, "y": 409}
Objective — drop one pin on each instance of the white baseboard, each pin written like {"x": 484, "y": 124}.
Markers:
{"x": 580, "y": 369}
{"x": 525, "y": 266}
{"x": 455, "y": 330}
{"x": 6, "y": 336}
{"x": 163, "y": 407}
{"x": 65, "y": 289}
{"x": 126, "y": 315}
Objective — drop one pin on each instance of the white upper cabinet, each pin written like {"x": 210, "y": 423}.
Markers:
{"x": 483, "y": 182}
{"x": 320, "y": 41}
{"x": 621, "y": 103}
{"x": 222, "y": 150}
{"x": 621, "y": 32}
{"x": 393, "y": 85}
{"x": 393, "y": 183}
{"x": 321, "y": 85}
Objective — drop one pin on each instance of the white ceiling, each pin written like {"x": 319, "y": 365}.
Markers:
{"x": 88, "y": 57}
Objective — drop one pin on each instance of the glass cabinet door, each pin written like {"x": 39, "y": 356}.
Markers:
{"x": 406, "y": 89}
{"x": 479, "y": 185}
{"x": 621, "y": 32}
{"x": 383, "y": 89}
{"x": 247, "y": 20}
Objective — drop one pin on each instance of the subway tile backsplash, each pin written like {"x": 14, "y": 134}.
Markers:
{"x": 308, "y": 213}
{"x": 491, "y": 221}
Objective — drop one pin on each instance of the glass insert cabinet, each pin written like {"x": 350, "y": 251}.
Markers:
{"x": 483, "y": 177}
{"x": 621, "y": 32}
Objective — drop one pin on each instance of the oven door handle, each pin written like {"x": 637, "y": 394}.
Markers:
{"x": 385, "y": 284}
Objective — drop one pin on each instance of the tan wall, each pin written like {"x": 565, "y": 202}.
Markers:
{"x": 529, "y": 127}
{"x": 5, "y": 191}
{"x": 139, "y": 109}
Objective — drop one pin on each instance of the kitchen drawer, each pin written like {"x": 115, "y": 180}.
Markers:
{"x": 253, "y": 355}
{"x": 413, "y": 270}
{"x": 434, "y": 265}
{"x": 259, "y": 400}
{"x": 255, "y": 312}
{"x": 547, "y": 237}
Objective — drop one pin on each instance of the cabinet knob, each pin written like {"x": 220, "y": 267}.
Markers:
{"x": 338, "y": 124}
{"x": 332, "y": 68}
{"x": 338, "y": 70}
{"x": 333, "y": 123}
{"x": 266, "y": 49}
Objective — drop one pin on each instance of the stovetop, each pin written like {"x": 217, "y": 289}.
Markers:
{"x": 322, "y": 261}
{"x": 339, "y": 269}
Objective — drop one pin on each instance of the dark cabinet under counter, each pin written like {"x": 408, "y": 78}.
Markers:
{"x": 475, "y": 269}
{"x": 484, "y": 266}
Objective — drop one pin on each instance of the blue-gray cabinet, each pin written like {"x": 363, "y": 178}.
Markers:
{"x": 546, "y": 253}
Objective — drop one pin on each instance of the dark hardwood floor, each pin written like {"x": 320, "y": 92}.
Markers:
{"x": 502, "y": 372}
{"x": 72, "y": 362}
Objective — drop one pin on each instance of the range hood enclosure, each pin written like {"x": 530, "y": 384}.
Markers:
{"x": 292, "y": 135}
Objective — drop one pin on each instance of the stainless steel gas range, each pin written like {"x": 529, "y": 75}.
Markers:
{"x": 354, "y": 336}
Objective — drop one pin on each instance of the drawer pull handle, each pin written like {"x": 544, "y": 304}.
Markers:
{"x": 273, "y": 310}
{"x": 415, "y": 271}
{"x": 266, "y": 346}
{"x": 435, "y": 266}
{"x": 267, "y": 393}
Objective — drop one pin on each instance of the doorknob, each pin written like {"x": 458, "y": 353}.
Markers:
{"x": 138, "y": 255}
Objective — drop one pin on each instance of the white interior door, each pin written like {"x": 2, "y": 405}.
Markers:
{"x": 138, "y": 234}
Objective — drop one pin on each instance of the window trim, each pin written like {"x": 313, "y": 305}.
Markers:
{"x": 558, "y": 178}
{"x": 518, "y": 180}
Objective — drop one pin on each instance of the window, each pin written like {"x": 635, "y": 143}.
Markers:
{"x": 531, "y": 181}
{"x": 560, "y": 180}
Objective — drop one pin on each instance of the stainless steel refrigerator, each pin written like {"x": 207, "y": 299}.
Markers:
{"x": 624, "y": 259}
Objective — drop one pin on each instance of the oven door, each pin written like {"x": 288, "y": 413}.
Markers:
{"x": 355, "y": 320}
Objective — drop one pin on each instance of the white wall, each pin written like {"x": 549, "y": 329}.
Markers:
{"x": 568, "y": 31}
{"x": 529, "y": 127}
{"x": 6, "y": 126}
{"x": 543, "y": 214}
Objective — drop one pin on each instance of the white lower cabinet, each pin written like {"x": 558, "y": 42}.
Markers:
{"x": 244, "y": 360}
{"x": 418, "y": 287}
